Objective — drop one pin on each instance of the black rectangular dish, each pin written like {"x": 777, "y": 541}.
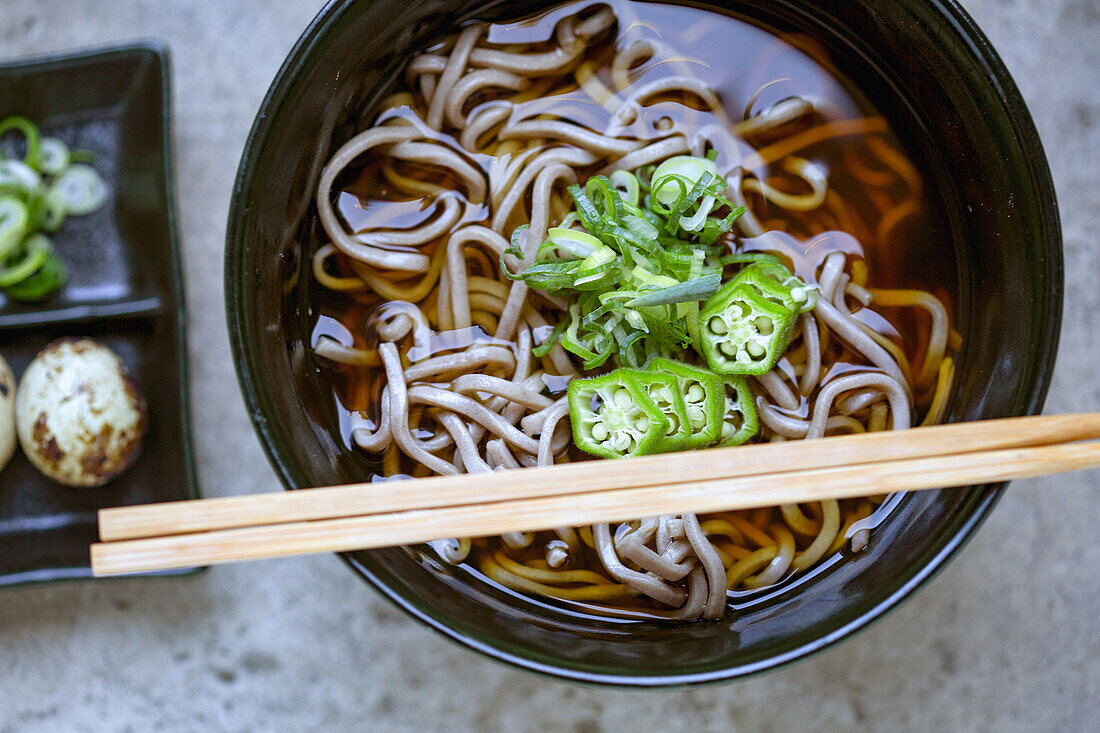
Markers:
{"x": 125, "y": 289}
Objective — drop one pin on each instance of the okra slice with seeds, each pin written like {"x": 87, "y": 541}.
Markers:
{"x": 664, "y": 390}
{"x": 744, "y": 333}
{"x": 774, "y": 282}
{"x": 739, "y": 421}
{"x": 613, "y": 417}
{"x": 704, "y": 399}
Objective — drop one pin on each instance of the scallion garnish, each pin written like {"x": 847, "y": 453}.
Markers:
{"x": 645, "y": 258}
{"x": 37, "y": 193}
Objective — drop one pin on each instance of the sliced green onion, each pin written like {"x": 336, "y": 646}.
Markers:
{"x": 747, "y": 258}
{"x": 676, "y": 215}
{"x": 605, "y": 198}
{"x": 694, "y": 223}
{"x": 640, "y": 227}
{"x": 687, "y": 168}
{"x": 551, "y": 340}
{"x": 30, "y": 134}
{"x": 38, "y": 193}
{"x": 701, "y": 288}
{"x": 45, "y": 282}
{"x": 80, "y": 189}
{"x": 645, "y": 259}
{"x": 586, "y": 210}
{"x": 603, "y": 258}
{"x": 626, "y": 184}
{"x": 53, "y": 156}
{"x": 14, "y": 221}
{"x": 573, "y": 241}
{"x": 25, "y": 261}
{"x": 15, "y": 175}
{"x": 691, "y": 307}
{"x": 47, "y": 211}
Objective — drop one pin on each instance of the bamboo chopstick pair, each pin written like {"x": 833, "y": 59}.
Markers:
{"x": 370, "y": 515}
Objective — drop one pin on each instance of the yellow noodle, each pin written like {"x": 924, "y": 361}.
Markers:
{"x": 486, "y": 302}
{"x": 583, "y": 593}
{"x": 859, "y": 272}
{"x": 743, "y": 568}
{"x": 799, "y": 522}
{"x": 411, "y": 292}
{"x": 722, "y": 527}
{"x": 484, "y": 319}
{"x": 830, "y": 525}
{"x": 827, "y": 131}
{"x": 332, "y": 282}
{"x": 896, "y": 161}
{"x": 407, "y": 185}
{"x": 785, "y": 544}
{"x": 892, "y": 218}
{"x": 846, "y": 221}
{"x": 890, "y": 346}
{"x": 943, "y": 388}
{"x": 585, "y": 74}
{"x": 930, "y": 303}
{"x": 486, "y": 285}
{"x": 736, "y": 552}
{"x": 484, "y": 264}
{"x": 544, "y": 575}
{"x": 391, "y": 465}
{"x": 752, "y": 532}
{"x": 954, "y": 340}
{"x": 862, "y": 511}
{"x": 865, "y": 175}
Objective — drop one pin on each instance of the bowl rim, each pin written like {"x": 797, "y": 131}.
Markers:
{"x": 1023, "y": 128}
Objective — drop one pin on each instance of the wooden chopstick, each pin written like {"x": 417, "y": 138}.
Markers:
{"x": 184, "y": 517}
{"x": 746, "y": 477}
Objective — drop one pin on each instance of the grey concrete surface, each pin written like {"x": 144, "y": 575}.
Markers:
{"x": 1007, "y": 638}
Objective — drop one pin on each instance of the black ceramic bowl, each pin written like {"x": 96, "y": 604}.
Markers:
{"x": 953, "y": 102}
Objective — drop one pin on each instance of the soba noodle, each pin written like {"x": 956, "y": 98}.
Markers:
{"x": 484, "y": 138}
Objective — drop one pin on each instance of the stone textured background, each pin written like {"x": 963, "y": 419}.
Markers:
{"x": 1006, "y": 638}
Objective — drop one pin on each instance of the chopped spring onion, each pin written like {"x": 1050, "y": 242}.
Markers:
{"x": 30, "y": 136}
{"x": 37, "y": 193}
{"x": 53, "y": 156}
{"x": 686, "y": 168}
{"x": 626, "y": 184}
{"x": 644, "y": 260}
{"x": 25, "y": 263}
{"x": 701, "y": 288}
{"x": 80, "y": 189}
{"x": 18, "y": 177}
{"x": 33, "y": 271}
{"x": 14, "y": 221}
{"x": 47, "y": 211}
{"x": 573, "y": 241}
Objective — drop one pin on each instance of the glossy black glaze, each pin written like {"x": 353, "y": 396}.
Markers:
{"x": 125, "y": 290}
{"x": 952, "y": 102}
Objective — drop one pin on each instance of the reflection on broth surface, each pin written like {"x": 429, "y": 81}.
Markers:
{"x": 433, "y": 350}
